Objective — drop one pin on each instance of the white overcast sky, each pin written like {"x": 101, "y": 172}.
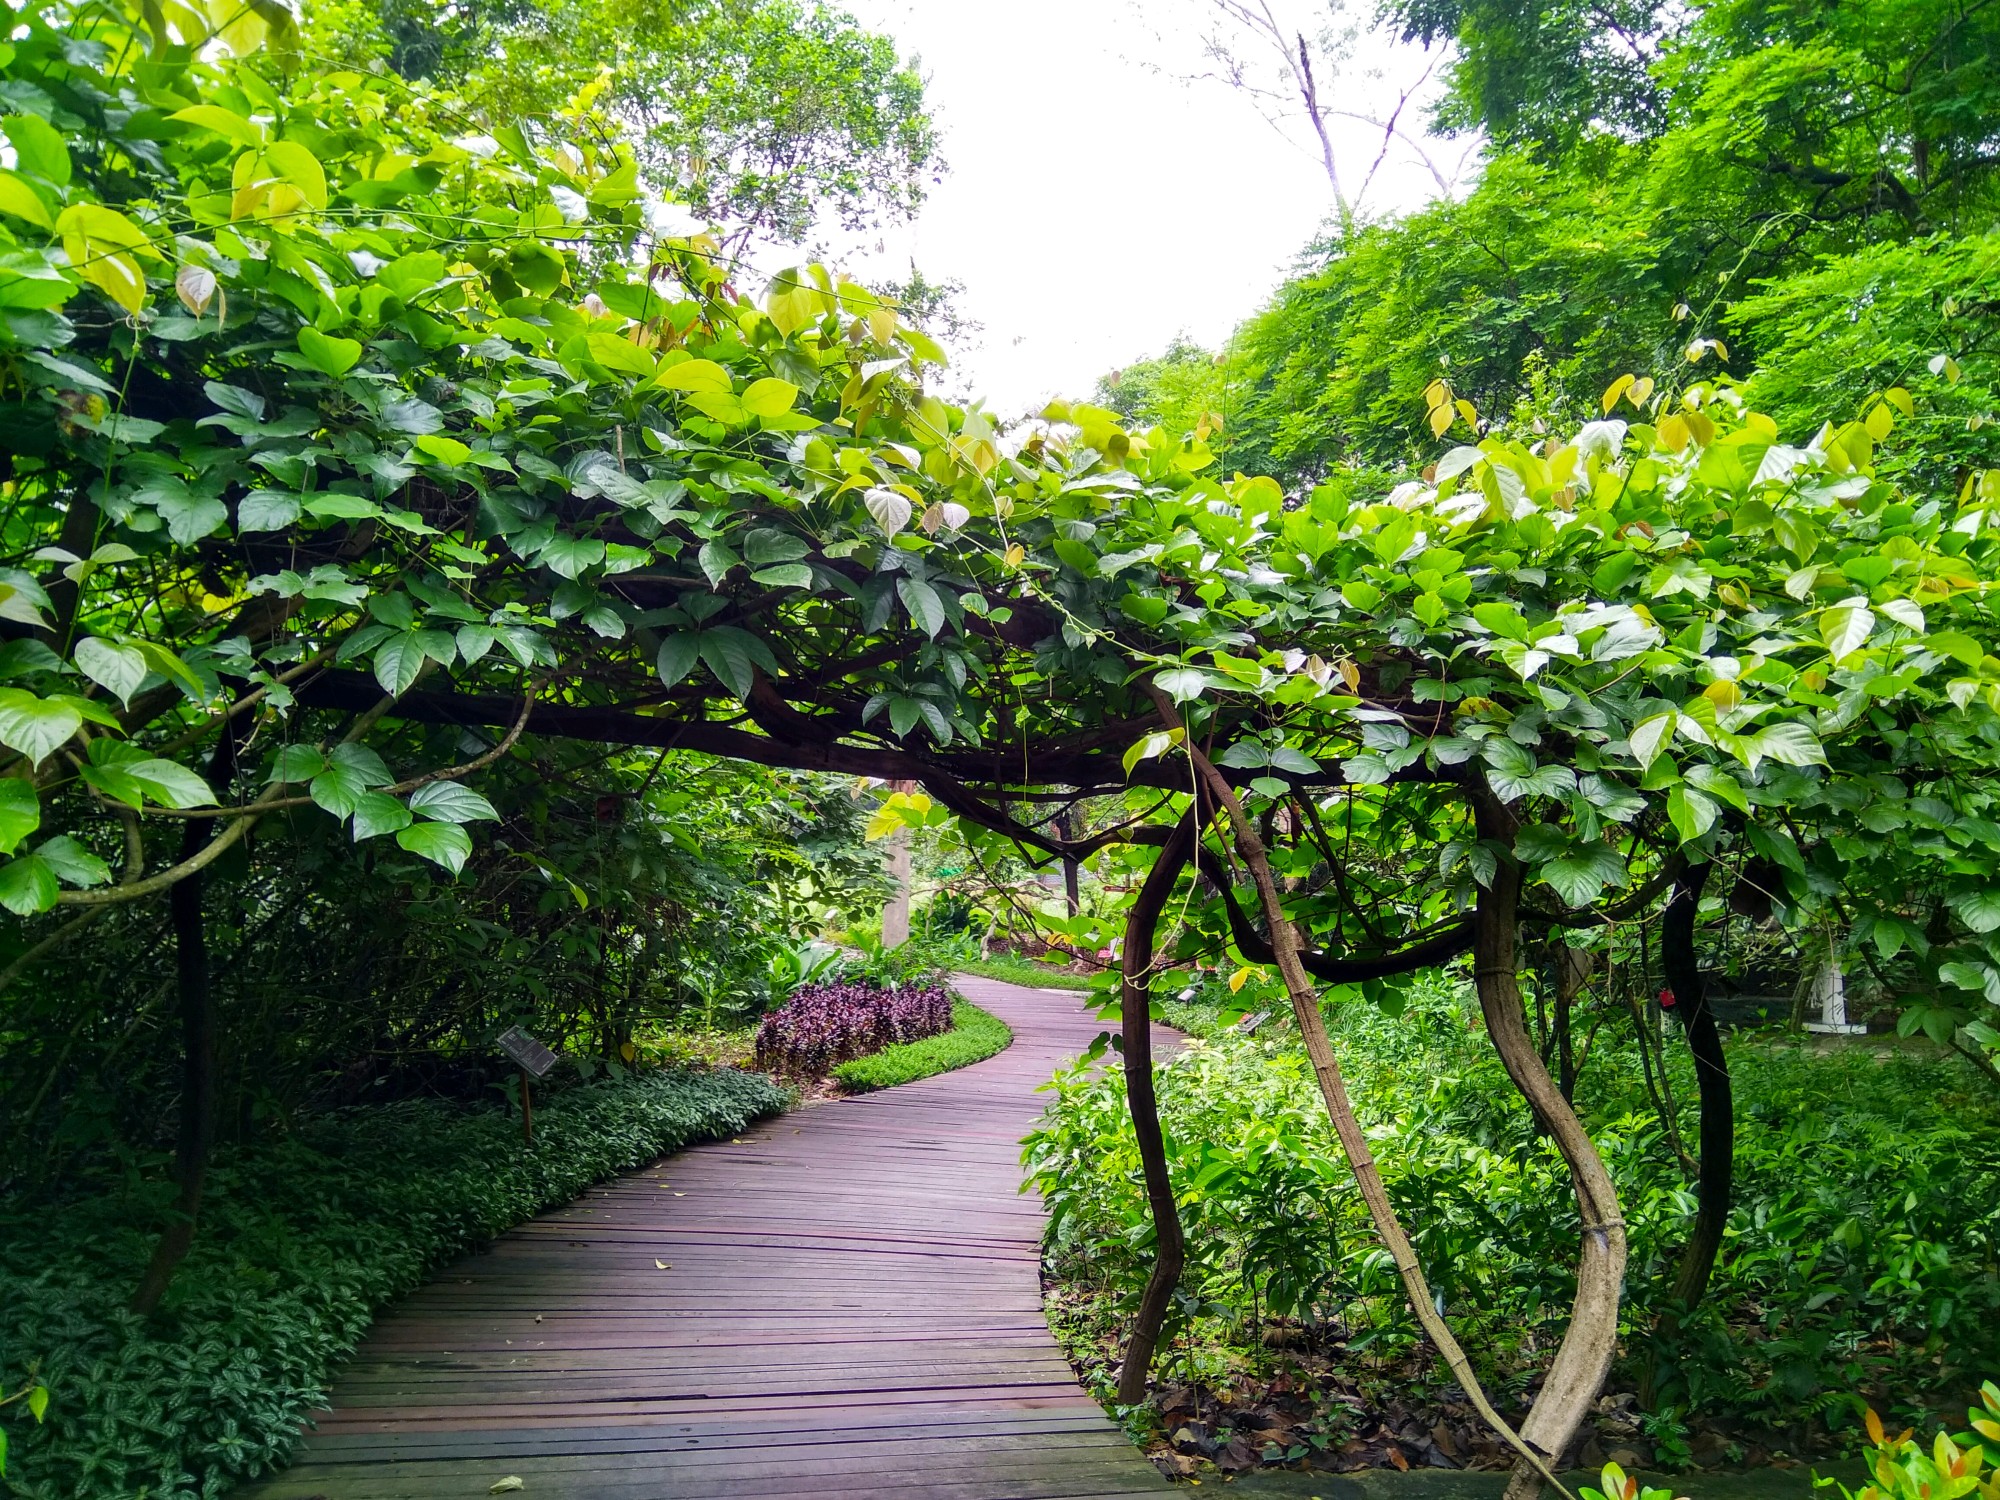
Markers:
{"x": 1096, "y": 204}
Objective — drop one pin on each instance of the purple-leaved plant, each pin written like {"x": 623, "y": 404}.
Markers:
{"x": 825, "y": 1024}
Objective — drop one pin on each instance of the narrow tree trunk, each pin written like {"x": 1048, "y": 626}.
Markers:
{"x": 197, "y": 1110}
{"x": 1136, "y": 1042}
{"x": 1717, "y": 1129}
{"x": 896, "y": 914}
{"x": 1572, "y": 972}
{"x": 1577, "y": 1373}
{"x": 1333, "y": 1090}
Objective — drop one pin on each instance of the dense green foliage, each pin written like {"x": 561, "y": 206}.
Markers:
{"x": 975, "y": 1035}
{"x": 309, "y": 1235}
{"x": 1862, "y": 1249}
{"x": 1813, "y": 184}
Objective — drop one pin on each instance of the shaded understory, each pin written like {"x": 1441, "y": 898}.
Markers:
{"x": 1859, "y": 1264}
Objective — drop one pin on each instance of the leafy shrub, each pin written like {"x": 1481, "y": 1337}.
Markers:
{"x": 1902, "y": 1469}
{"x": 301, "y": 1242}
{"x": 975, "y": 1035}
{"x": 825, "y": 1024}
{"x": 1861, "y": 1255}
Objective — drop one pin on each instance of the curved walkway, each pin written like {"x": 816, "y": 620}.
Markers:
{"x": 846, "y": 1302}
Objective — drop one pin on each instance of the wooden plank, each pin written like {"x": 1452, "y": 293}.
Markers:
{"x": 852, "y": 1308}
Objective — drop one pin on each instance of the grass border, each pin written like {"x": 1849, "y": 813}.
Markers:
{"x": 975, "y": 1035}
{"x": 1010, "y": 968}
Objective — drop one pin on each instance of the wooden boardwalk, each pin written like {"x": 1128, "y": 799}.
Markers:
{"x": 845, "y": 1303}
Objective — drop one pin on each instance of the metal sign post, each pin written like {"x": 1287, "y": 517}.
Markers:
{"x": 534, "y": 1061}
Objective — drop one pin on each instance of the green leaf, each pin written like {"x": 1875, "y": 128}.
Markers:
{"x": 169, "y": 783}
{"x": 1502, "y": 619}
{"x": 570, "y": 556}
{"x": 1650, "y": 736}
{"x": 732, "y": 654}
{"x": 1978, "y": 909}
{"x": 267, "y": 510}
{"x": 20, "y": 812}
{"x": 398, "y": 662}
{"x": 441, "y": 843}
{"x": 339, "y": 790}
{"x": 364, "y": 762}
{"x": 296, "y": 763}
{"x": 448, "y": 451}
{"x": 678, "y": 654}
{"x": 38, "y": 147}
{"x": 923, "y": 603}
{"x": 36, "y": 727}
{"x": 1581, "y": 874}
{"x": 1513, "y": 774}
{"x": 1159, "y": 742}
{"x": 23, "y": 202}
{"x": 1789, "y": 743}
{"x": 1845, "y": 628}
{"x": 225, "y": 122}
{"x": 378, "y": 813}
{"x": 769, "y": 397}
{"x": 450, "y": 802}
{"x": 191, "y": 516}
{"x": 619, "y": 355}
{"x": 328, "y": 354}
{"x": 1691, "y": 812}
{"x": 74, "y": 864}
{"x": 28, "y": 886}
{"x": 1182, "y": 684}
{"x": 117, "y": 669}
{"x": 784, "y": 576}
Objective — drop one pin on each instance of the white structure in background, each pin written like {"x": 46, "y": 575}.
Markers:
{"x": 1829, "y": 996}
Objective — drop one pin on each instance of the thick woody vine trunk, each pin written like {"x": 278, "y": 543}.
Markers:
{"x": 1577, "y": 1373}
{"x": 197, "y": 1111}
{"x": 1136, "y": 1042}
{"x": 1717, "y": 1109}
{"x": 1333, "y": 1090}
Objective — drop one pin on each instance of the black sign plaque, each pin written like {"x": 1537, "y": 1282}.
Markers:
{"x": 533, "y": 1057}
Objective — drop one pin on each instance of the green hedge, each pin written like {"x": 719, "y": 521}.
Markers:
{"x": 975, "y": 1035}
{"x": 302, "y": 1241}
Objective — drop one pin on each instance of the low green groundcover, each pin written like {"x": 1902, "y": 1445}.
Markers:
{"x": 302, "y": 1241}
{"x": 975, "y": 1035}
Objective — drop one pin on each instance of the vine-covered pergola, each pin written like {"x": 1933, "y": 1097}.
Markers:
{"x": 341, "y": 418}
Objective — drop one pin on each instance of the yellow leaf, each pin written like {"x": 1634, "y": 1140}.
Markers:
{"x": 663, "y": 1265}
{"x": 1437, "y": 393}
{"x": 1441, "y": 419}
{"x": 1899, "y": 398}
{"x": 1673, "y": 432}
{"x": 1014, "y": 555}
{"x": 22, "y": 201}
{"x": 1641, "y": 389}
{"x": 1880, "y": 421}
{"x": 1616, "y": 389}
{"x": 1700, "y": 428}
{"x": 1238, "y": 980}
{"x": 1723, "y": 693}
{"x": 1465, "y": 410}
